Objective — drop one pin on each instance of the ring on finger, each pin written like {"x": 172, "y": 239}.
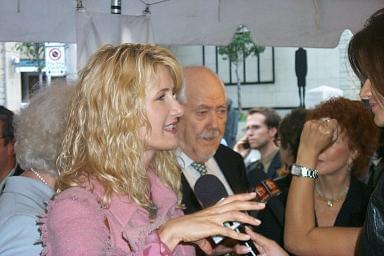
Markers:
{"x": 325, "y": 119}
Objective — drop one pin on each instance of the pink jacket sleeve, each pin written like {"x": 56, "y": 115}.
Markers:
{"x": 75, "y": 225}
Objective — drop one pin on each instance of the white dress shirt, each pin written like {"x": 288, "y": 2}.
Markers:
{"x": 192, "y": 175}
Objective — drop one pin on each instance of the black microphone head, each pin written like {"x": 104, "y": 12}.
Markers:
{"x": 255, "y": 173}
{"x": 209, "y": 190}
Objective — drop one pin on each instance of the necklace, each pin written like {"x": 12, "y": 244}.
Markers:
{"x": 39, "y": 176}
{"x": 331, "y": 201}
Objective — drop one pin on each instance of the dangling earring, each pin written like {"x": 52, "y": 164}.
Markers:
{"x": 349, "y": 165}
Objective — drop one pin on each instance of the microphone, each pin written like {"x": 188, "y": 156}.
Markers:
{"x": 267, "y": 190}
{"x": 209, "y": 190}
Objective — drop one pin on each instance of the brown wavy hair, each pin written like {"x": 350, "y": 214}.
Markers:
{"x": 366, "y": 52}
{"x": 103, "y": 138}
{"x": 356, "y": 122}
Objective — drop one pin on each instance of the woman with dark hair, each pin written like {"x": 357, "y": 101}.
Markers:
{"x": 289, "y": 134}
{"x": 366, "y": 54}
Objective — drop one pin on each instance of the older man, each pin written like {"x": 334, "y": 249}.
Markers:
{"x": 200, "y": 132}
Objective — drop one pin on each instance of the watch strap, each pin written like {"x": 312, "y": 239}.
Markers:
{"x": 302, "y": 171}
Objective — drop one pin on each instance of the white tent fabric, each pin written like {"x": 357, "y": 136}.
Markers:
{"x": 307, "y": 23}
{"x": 96, "y": 29}
{"x": 37, "y": 21}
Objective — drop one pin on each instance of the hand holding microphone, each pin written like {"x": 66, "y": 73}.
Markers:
{"x": 209, "y": 222}
{"x": 209, "y": 190}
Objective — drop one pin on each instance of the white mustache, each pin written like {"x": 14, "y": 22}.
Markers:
{"x": 209, "y": 135}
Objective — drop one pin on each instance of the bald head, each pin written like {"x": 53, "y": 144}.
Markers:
{"x": 205, "y": 113}
{"x": 199, "y": 79}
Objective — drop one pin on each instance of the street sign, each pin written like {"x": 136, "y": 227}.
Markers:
{"x": 55, "y": 59}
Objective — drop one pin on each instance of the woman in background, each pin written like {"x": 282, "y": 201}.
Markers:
{"x": 340, "y": 198}
{"x": 39, "y": 131}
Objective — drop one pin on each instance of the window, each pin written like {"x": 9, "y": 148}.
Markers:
{"x": 29, "y": 84}
{"x": 253, "y": 70}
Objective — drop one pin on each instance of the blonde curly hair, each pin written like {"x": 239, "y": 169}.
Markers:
{"x": 102, "y": 140}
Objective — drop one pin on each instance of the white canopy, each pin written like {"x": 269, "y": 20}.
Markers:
{"x": 307, "y": 23}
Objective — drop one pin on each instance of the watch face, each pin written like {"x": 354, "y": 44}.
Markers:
{"x": 295, "y": 170}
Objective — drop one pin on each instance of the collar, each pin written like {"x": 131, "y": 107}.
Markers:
{"x": 28, "y": 187}
{"x": 10, "y": 174}
{"x": 183, "y": 159}
{"x": 268, "y": 159}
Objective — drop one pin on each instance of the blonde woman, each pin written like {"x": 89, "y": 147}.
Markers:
{"x": 119, "y": 184}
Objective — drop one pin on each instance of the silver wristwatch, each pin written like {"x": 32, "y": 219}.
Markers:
{"x": 303, "y": 171}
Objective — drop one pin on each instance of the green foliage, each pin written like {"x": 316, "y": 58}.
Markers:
{"x": 34, "y": 51}
{"x": 241, "y": 46}
{"x": 243, "y": 116}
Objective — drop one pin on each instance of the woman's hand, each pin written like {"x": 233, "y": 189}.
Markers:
{"x": 265, "y": 246}
{"x": 315, "y": 137}
{"x": 209, "y": 222}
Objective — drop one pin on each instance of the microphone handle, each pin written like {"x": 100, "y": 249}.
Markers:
{"x": 249, "y": 244}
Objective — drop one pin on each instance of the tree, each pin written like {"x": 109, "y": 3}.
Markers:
{"x": 240, "y": 48}
{"x": 35, "y": 52}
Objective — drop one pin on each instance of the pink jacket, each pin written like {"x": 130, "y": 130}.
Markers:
{"x": 75, "y": 224}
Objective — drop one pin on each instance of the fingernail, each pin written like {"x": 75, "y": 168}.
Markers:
{"x": 245, "y": 250}
{"x": 257, "y": 221}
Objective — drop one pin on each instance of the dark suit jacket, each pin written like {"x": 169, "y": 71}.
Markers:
{"x": 18, "y": 170}
{"x": 256, "y": 174}
{"x": 231, "y": 165}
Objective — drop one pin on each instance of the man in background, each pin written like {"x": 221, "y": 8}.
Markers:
{"x": 7, "y": 142}
{"x": 261, "y": 134}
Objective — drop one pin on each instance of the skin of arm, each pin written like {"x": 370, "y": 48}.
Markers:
{"x": 301, "y": 236}
{"x": 209, "y": 222}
